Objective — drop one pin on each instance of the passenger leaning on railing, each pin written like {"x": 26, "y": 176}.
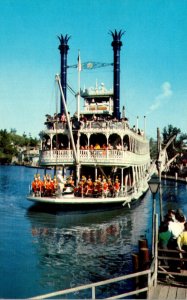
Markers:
{"x": 164, "y": 237}
{"x": 182, "y": 244}
{"x": 182, "y": 239}
{"x": 169, "y": 232}
{"x": 176, "y": 226}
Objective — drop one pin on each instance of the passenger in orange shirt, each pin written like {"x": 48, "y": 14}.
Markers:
{"x": 39, "y": 184}
{"x": 81, "y": 187}
{"x": 55, "y": 184}
{"x": 116, "y": 186}
{"x": 105, "y": 187}
{"x": 44, "y": 183}
{"x": 49, "y": 186}
{"x": 89, "y": 186}
{"x": 110, "y": 185}
{"x": 52, "y": 186}
{"x": 97, "y": 186}
{"x": 34, "y": 184}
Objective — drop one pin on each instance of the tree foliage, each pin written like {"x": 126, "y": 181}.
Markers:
{"x": 11, "y": 143}
{"x": 153, "y": 148}
{"x": 177, "y": 145}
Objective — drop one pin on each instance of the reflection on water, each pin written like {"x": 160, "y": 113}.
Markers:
{"x": 44, "y": 249}
{"x": 85, "y": 247}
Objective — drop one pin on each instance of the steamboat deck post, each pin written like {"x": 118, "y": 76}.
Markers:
{"x": 79, "y": 81}
{"x": 137, "y": 123}
{"x": 78, "y": 160}
{"x": 95, "y": 172}
{"x": 126, "y": 181}
{"x": 144, "y": 127}
{"x": 158, "y": 166}
{"x": 122, "y": 180}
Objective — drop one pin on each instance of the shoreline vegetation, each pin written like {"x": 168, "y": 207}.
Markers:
{"x": 14, "y": 148}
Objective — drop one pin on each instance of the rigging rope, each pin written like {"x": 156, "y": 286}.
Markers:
{"x": 71, "y": 90}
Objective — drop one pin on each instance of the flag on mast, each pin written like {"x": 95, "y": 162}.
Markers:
{"x": 79, "y": 67}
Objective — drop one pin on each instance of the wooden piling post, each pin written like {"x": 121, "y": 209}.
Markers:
{"x": 144, "y": 258}
{"x": 135, "y": 264}
{"x": 143, "y": 244}
{"x": 144, "y": 263}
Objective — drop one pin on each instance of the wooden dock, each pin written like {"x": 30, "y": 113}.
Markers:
{"x": 169, "y": 292}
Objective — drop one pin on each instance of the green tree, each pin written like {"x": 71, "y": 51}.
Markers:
{"x": 153, "y": 148}
{"x": 177, "y": 145}
{"x": 7, "y": 147}
{"x": 10, "y": 143}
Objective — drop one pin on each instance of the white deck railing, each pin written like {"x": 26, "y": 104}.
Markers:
{"x": 93, "y": 156}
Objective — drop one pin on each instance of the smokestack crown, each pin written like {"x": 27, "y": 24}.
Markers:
{"x": 63, "y": 43}
{"x": 117, "y": 38}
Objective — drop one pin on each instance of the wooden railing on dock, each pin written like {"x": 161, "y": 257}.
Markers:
{"x": 149, "y": 274}
{"x": 172, "y": 267}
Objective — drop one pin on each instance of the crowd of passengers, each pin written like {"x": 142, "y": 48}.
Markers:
{"x": 173, "y": 233}
{"x": 85, "y": 122}
{"x": 100, "y": 187}
{"x": 48, "y": 186}
{"x": 97, "y": 146}
{"x": 46, "y": 145}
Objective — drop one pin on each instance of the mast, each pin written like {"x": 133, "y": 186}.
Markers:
{"x": 67, "y": 117}
{"x": 116, "y": 44}
{"x": 79, "y": 80}
{"x": 63, "y": 47}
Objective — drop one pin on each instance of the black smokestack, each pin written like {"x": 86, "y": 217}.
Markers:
{"x": 116, "y": 44}
{"x": 63, "y": 47}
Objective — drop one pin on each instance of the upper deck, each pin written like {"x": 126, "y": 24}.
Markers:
{"x": 116, "y": 143}
{"x": 97, "y": 137}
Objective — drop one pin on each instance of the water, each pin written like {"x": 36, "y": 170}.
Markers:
{"x": 44, "y": 250}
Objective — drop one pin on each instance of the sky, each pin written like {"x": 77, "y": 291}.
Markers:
{"x": 153, "y": 58}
